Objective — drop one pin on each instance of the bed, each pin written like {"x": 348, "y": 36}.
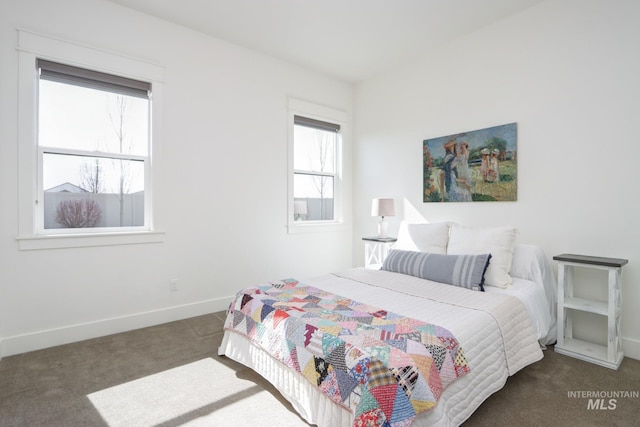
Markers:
{"x": 495, "y": 333}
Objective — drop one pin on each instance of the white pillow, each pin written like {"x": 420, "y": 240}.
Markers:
{"x": 423, "y": 237}
{"x": 498, "y": 241}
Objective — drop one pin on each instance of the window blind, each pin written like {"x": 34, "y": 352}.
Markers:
{"x": 69, "y": 74}
{"x": 316, "y": 124}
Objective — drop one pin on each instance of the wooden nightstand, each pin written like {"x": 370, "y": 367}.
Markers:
{"x": 376, "y": 250}
{"x": 610, "y": 355}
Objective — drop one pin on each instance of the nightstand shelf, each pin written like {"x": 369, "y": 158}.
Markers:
{"x": 585, "y": 350}
{"x": 583, "y": 304}
{"x": 609, "y": 355}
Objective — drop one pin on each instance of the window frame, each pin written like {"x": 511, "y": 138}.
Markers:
{"x": 313, "y": 111}
{"x": 62, "y": 73}
{"x": 31, "y": 232}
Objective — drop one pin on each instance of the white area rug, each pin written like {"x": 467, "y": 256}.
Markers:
{"x": 202, "y": 393}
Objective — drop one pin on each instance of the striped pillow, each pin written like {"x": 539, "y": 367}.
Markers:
{"x": 466, "y": 271}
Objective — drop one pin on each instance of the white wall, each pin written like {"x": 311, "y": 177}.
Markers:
{"x": 225, "y": 132}
{"x": 567, "y": 72}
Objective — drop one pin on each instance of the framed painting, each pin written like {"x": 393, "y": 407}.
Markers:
{"x": 474, "y": 166}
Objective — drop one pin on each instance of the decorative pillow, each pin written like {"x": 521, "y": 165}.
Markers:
{"x": 466, "y": 271}
{"x": 423, "y": 237}
{"x": 498, "y": 241}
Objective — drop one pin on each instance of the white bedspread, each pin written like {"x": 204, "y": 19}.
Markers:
{"x": 494, "y": 330}
{"x": 509, "y": 314}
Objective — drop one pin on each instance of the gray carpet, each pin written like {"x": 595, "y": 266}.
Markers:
{"x": 170, "y": 375}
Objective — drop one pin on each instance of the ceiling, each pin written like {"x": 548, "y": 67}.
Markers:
{"x": 349, "y": 39}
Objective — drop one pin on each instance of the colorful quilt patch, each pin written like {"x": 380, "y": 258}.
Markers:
{"x": 384, "y": 367}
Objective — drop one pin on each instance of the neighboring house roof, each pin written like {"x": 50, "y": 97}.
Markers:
{"x": 67, "y": 187}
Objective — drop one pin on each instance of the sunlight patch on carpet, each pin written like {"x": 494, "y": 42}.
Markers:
{"x": 205, "y": 392}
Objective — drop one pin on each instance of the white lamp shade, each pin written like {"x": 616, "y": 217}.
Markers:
{"x": 382, "y": 207}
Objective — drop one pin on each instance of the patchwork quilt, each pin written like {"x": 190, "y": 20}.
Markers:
{"x": 383, "y": 367}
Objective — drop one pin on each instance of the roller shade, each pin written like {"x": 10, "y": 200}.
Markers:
{"x": 316, "y": 124}
{"x": 69, "y": 74}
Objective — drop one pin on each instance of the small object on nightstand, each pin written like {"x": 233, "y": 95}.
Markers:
{"x": 610, "y": 355}
{"x": 376, "y": 250}
{"x": 382, "y": 208}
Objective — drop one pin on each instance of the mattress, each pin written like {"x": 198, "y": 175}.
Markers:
{"x": 495, "y": 330}
{"x": 533, "y": 298}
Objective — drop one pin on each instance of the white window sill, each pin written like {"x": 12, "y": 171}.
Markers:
{"x": 59, "y": 241}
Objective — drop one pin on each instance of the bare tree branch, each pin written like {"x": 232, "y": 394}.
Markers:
{"x": 118, "y": 124}
{"x": 91, "y": 176}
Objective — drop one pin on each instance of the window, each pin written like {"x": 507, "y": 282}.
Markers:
{"x": 87, "y": 124}
{"x": 315, "y": 146}
{"x": 93, "y": 148}
{"x": 316, "y": 176}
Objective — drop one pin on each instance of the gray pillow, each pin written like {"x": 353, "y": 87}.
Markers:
{"x": 466, "y": 271}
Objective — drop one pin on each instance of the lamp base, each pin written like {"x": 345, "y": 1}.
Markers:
{"x": 383, "y": 228}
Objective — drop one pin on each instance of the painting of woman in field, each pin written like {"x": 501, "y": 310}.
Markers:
{"x": 478, "y": 165}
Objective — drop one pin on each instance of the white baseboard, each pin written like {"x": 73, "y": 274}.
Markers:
{"x": 631, "y": 348}
{"x": 53, "y": 337}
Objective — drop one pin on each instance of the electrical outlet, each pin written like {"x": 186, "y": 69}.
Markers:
{"x": 173, "y": 285}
